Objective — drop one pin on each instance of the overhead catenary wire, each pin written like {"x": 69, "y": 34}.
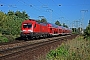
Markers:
{"x": 65, "y": 19}
{"x": 47, "y": 7}
{"x": 8, "y": 6}
{"x": 13, "y": 6}
{"x": 31, "y": 6}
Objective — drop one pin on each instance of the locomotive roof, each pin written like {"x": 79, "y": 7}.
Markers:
{"x": 53, "y": 25}
{"x": 28, "y": 20}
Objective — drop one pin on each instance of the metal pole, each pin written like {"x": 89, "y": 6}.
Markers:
{"x": 83, "y": 11}
{"x": 50, "y": 10}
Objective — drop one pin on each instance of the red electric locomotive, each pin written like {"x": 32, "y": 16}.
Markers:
{"x": 32, "y": 29}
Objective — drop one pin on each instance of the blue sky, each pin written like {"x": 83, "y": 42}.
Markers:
{"x": 66, "y": 11}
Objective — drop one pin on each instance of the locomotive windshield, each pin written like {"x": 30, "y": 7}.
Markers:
{"x": 27, "y": 25}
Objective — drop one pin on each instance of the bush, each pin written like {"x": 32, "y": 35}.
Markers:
{"x": 87, "y": 32}
{"x": 60, "y": 52}
{"x": 3, "y": 39}
{"x": 6, "y": 38}
{"x": 5, "y": 32}
{"x": 76, "y": 49}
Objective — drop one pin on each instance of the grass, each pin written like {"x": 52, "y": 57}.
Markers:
{"x": 76, "y": 49}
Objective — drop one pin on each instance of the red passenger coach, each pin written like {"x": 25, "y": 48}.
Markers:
{"x": 52, "y": 29}
{"x": 61, "y": 30}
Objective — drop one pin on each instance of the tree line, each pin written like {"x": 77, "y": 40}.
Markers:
{"x": 87, "y": 31}
{"x": 43, "y": 20}
{"x": 10, "y": 22}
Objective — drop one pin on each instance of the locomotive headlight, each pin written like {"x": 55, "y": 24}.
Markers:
{"x": 30, "y": 30}
{"x": 23, "y": 30}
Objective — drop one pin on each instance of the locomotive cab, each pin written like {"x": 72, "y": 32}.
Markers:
{"x": 27, "y": 29}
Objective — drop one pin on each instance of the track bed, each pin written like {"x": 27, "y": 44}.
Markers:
{"x": 31, "y": 50}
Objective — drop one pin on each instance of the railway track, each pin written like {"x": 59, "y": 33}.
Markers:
{"x": 12, "y": 50}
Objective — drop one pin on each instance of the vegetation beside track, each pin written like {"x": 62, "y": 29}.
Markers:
{"x": 6, "y": 38}
{"x": 3, "y": 39}
{"x": 76, "y": 49}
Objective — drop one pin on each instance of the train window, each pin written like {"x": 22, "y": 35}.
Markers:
{"x": 24, "y": 25}
{"x": 27, "y": 25}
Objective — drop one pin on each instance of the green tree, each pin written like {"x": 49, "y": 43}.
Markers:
{"x": 10, "y": 23}
{"x": 38, "y": 21}
{"x": 10, "y": 13}
{"x": 22, "y": 14}
{"x": 87, "y": 31}
{"x": 43, "y": 20}
{"x": 57, "y": 23}
{"x": 64, "y": 25}
{"x": 89, "y": 22}
{"x": 2, "y": 18}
